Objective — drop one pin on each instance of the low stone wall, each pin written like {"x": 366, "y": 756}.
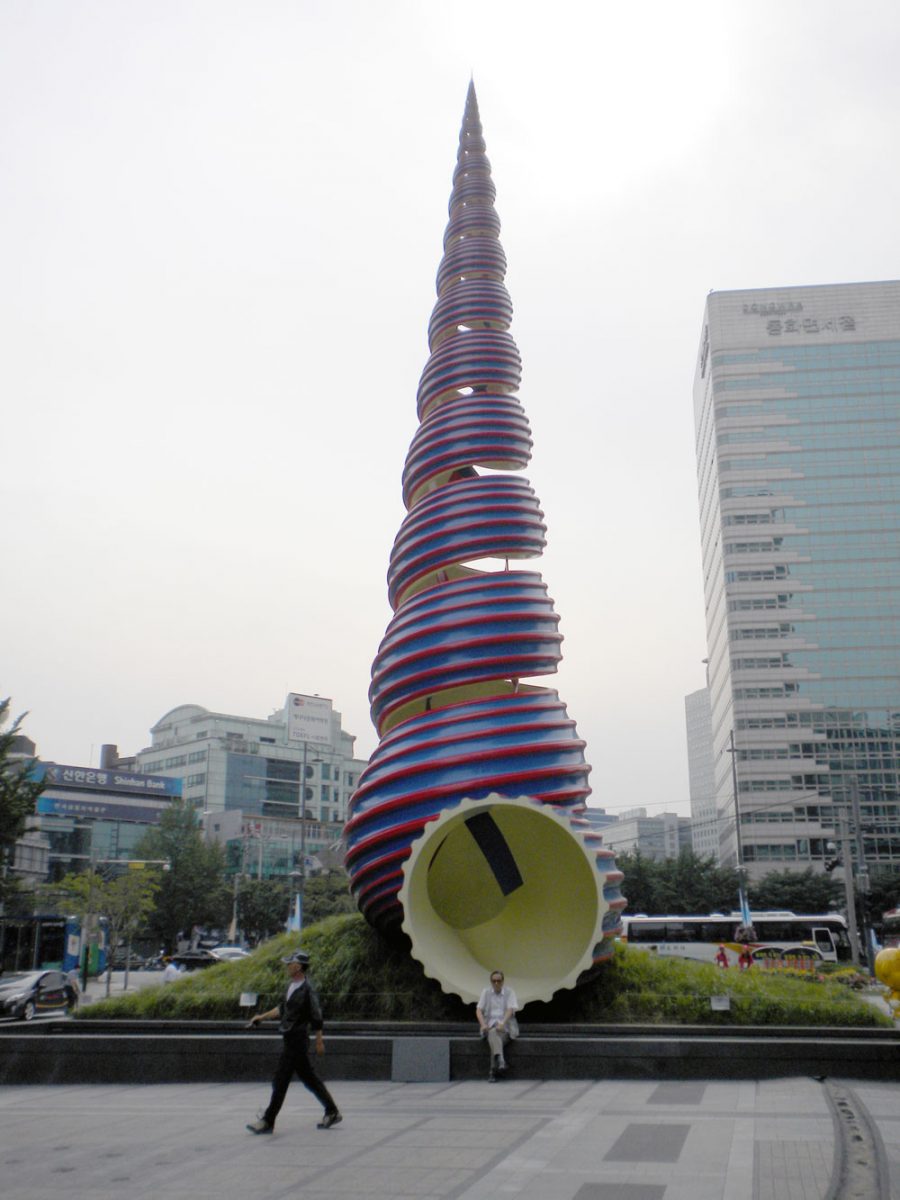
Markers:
{"x": 62, "y": 1052}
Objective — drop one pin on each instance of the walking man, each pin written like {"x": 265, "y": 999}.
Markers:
{"x": 297, "y": 1011}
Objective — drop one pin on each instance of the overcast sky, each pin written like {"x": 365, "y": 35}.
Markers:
{"x": 219, "y": 228}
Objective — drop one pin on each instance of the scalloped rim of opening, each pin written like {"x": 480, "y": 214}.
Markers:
{"x": 585, "y": 963}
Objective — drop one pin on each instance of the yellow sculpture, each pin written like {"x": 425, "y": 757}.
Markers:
{"x": 887, "y": 971}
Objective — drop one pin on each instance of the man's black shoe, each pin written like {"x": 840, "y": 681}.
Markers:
{"x": 330, "y": 1119}
{"x": 260, "y": 1126}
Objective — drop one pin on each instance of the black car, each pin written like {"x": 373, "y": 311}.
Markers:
{"x": 190, "y": 960}
{"x": 33, "y": 993}
{"x": 120, "y": 959}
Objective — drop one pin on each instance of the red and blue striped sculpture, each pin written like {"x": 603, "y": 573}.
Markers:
{"x": 465, "y": 829}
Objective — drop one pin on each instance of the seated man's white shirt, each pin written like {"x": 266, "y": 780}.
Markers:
{"x": 495, "y": 1005}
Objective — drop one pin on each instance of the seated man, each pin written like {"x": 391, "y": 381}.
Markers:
{"x": 496, "y": 1013}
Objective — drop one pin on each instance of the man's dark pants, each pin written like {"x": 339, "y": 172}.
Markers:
{"x": 295, "y": 1057}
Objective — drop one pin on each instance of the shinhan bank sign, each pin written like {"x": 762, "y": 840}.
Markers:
{"x": 132, "y": 782}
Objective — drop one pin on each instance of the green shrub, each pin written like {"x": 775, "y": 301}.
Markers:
{"x": 360, "y": 976}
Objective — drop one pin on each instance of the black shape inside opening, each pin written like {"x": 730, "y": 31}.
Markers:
{"x": 494, "y": 847}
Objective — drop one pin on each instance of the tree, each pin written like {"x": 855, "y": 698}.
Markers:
{"x": 698, "y": 885}
{"x": 193, "y": 891}
{"x": 883, "y": 894}
{"x": 641, "y": 882}
{"x": 796, "y": 891}
{"x": 126, "y": 901}
{"x": 327, "y": 894}
{"x": 129, "y": 900}
{"x": 262, "y": 908}
{"x": 18, "y": 793}
{"x": 693, "y": 886}
{"x": 688, "y": 885}
{"x": 263, "y": 904}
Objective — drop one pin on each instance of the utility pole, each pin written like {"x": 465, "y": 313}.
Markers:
{"x": 849, "y": 891}
{"x": 87, "y": 925}
{"x": 739, "y": 850}
{"x": 862, "y": 870}
{"x": 302, "y": 888}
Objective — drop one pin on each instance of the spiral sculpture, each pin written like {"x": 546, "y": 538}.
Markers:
{"x": 465, "y": 827}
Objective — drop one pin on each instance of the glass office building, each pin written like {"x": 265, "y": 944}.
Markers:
{"x": 702, "y": 775}
{"x": 797, "y": 413}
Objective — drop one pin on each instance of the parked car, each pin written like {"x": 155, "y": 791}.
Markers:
{"x": 190, "y": 960}
{"x": 119, "y": 959}
{"x": 27, "y": 995}
{"x": 229, "y": 953}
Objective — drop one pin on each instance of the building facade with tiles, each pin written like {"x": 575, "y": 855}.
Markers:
{"x": 797, "y": 414}
{"x": 701, "y": 775}
{"x": 246, "y": 776}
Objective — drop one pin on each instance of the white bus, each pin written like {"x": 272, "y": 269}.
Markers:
{"x": 776, "y": 939}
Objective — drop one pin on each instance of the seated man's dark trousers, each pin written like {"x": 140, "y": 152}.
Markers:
{"x": 295, "y": 1057}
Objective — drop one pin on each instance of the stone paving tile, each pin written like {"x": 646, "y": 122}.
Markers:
{"x": 429, "y": 1156}
{"x": 677, "y": 1093}
{"x": 620, "y": 1191}
{"x": 794, "y": 1128}
{"x": 792, "y": 1170}
{"x": 744, "y": 1141}
{"x": 643, "y": 1142}
{"x": 468, "y": 1139}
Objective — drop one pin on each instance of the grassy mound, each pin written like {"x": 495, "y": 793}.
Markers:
{"x": 359, "y": 976}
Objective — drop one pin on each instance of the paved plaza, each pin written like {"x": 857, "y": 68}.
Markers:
{"x": 771, "y": 1140}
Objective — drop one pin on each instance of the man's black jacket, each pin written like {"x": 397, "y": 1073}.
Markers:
{"x": 300, "y": 1010}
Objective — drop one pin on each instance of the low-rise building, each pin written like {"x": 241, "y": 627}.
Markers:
{"x": 96, "y": 815}
{"x": 255, "y": 764}
{"x": 659, "y": 837}
{"x": 244, "y": 775}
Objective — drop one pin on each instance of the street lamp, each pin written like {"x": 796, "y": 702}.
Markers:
{"x": 303, "y": 835}
{"x": 746, "y": 919}
{"x": 266, "y": 803}
{"x": 302, "y": 871}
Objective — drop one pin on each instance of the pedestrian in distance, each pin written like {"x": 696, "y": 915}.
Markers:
{"x": 73, "y": 987}
{"x": 722, "y": 957}
{"x": 496, "y": 1013}
{"x": 297, "y": 1013}
{"x": 172, "y": 972}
